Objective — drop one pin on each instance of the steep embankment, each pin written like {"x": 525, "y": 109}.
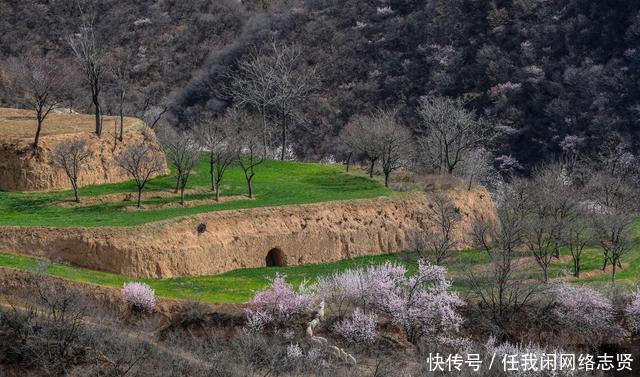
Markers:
{"x": 216, "y": 242}
{"x": 23, "y": 169}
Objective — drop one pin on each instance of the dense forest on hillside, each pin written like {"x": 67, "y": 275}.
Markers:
{"x": 542, "y": 72}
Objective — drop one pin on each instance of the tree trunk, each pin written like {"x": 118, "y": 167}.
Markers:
{"x": 371, "y": 165}
{"x": 182, "y": 195}
{"x": 139, "y": 197}
{"x": 38, "y": 130}
{"x": 178, "y": 179}
{"x": 75, "y": 191}
{"x": 284, "y": 134}
{"x": 386, "y": 179}
{"x": 121, "y": 137}
{"x": 470, "y": 182}
{"x": 98, "y": 120}
{"x": 349, "y": 160}
{"x": 546, "y": 275}
{"x": 212, "y": 166}
{"x": 218, "y": 192}
{"x": 264, "y": 131}
{"x": 250, "y": 188}
{"x": 613, "y": 272}
{"x": 576, "y": 267}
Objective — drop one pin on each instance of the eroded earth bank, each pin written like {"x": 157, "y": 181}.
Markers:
{"x": 221, "y": 241}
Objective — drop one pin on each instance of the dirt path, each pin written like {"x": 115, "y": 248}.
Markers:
{"x": 130, "y": 199}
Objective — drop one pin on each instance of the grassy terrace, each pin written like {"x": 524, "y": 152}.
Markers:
{"x": 276, "y": 183}
{"x": 239, "y": 286}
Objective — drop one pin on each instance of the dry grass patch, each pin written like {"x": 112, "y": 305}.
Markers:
{"x": 187, "y": 203}
{"x": 21, "y": 124}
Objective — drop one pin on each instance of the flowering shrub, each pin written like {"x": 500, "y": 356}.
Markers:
{"x": 277, "y": 305}
{"x": 139, "y": 296}
{"x": 421, "y": 304}
{"x": 633, "y": 312}
{"x": 358, "y": 287}
{"x": 582, "y": 311}
{"x": 359, "y": 329}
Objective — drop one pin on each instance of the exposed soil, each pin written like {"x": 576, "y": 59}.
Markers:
{"x": 21, "y": 124}
{"x": 24, "y": 169}
{"x": 591, "y": 274}
{"x": 187, "y": 203}
{"x": 216, "y": 242}
{"x": 130, "y": 199}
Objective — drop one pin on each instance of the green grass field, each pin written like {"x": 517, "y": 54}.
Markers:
{"x": 276, "y": 183}
{"x": 238, "y": 286}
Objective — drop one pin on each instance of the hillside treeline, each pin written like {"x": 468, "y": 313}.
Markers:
{"x": 540, "y": 71}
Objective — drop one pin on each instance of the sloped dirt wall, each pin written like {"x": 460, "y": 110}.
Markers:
{"x": 23, "y": 170}
{"x": 221, "y": 241}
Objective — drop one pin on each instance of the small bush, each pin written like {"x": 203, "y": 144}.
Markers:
{"x": 359, "y": 329}
{"x": 139, "y": 296}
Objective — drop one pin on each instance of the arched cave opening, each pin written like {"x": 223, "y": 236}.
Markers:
{"x": 275, "y": 258}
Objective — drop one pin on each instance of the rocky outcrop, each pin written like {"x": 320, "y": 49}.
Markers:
{"x": 22, "y": 169}
{"x": 221, "y": 241}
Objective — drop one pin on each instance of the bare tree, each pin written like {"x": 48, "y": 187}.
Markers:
{"x": 357, "y": 135}
{"x": 90, "y": 55}
{"x": 295, "y": 82}
{"x": 121, "y": 83}
{"x": 276, "y": 79}
{"x": 39, "y": 83}
{"x": 183, "y": 153}
{"x": 149, "y": 106}
{"x": 476, "y": 167}
{"x": 211, "y": 134}
{"x": 551, "y": 203}
{"x": 72, "y": 156}
{"x": 247, "y": 136}
{"x": 501, "y": 294}
{"x": 613, "y": 208}
{"x": 442, "y": 218}
{"x": 613, "y": 230}
{"x": 395, "y": 143}
{"x": 450, "y": 132}
{"x": 141, "y": 162}
{"x": 379, "y": 137}
{"x": 577, "y": 234}
{"x": 253, "y": 84}
{"x": 216, "y": 136}
{"x": 153, "y": 114}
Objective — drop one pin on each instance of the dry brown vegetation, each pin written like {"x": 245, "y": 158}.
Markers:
{"x": 21, "y": 124}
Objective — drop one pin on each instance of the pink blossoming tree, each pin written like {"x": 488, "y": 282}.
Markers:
{"x": 359, "y": 329}
{"x": 139, "y": 296}
{"x": 421, "y": 304}
{"x": 582, "y": 311}
{"x": 277, "y": 305}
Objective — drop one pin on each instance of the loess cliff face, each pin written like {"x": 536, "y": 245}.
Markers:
{"x": 21, "y": 169}
{"x": 221, "y": 241}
